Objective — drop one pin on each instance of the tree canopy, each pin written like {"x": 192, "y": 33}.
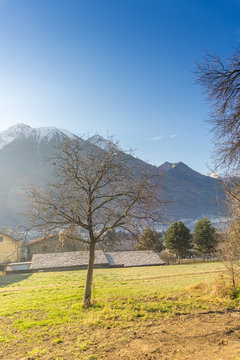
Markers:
{"x": 178, "y": 239}
{"x": 221, "y": 81}
{"x": 205, "y": 237}
{"x": 93, "y": 191}
{"x": 150, "y": 240}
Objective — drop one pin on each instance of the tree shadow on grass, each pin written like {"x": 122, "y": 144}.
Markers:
{"x": 6, "y": 280}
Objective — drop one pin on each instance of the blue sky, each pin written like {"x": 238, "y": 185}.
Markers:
{"x": 118, "y": 67}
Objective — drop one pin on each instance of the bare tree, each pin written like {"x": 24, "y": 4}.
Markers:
{"x": 229, "y": 244}
{"x": 229, "y": 251}
{"x": 229, "y": 248}
{"x": 94, "y": 191}
{"x": 221, "y": 81}
{"x": 167, "y": 257}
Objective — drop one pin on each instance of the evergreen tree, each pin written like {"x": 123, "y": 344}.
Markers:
{"x": 150, "y": 240}
{"x": 204, "y": 238}
{"x": 178, "y": 239}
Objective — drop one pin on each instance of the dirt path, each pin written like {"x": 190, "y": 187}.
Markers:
{"x": 198, "y": 337}
{"x": 205, "y": 336}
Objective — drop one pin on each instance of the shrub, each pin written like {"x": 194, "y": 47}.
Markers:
{"x": 235, "y": 292}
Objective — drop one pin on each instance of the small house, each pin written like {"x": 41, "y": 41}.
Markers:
{"x": 10, "y": 248}
{"x": 53, "y": 243}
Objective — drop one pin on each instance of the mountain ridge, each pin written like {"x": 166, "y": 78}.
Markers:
{"x": 23, "y": 162}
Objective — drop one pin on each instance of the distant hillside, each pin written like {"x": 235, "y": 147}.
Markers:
{"x": 23, "y": 154}
{"x": 193, "y": 194}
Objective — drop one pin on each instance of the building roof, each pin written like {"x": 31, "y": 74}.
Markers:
{"x": 80, "y": 258}
{"x": 134, "y": 258}
{"x": 9, "y": 233}
{"x": 66, "y": 259}
{"x": 34, "y": 241}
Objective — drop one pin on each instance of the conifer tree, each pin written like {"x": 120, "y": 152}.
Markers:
{"x": 150, "y": 240}
{"x": 178, "y": 239}
{"x": 204, "y": 238}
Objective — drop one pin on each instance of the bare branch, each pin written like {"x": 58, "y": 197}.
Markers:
{"x": 94, "y": 191}
{"x": 221, "y": 82}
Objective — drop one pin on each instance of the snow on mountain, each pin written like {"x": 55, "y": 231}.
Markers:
{"x": 7, "y": 136}
{"x": 23, "y": 130}
{"x": 48, "y": 133}
{"x": 214, "y": 175}
{"x": 99, "y": 141}
{"x": 23, "y": 161}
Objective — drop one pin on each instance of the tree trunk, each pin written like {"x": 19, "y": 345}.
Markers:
{"x": 179, "y": 259}
{"x": 88, "y": 287}
{"x": 204, "y": 256}
{"x": 233, "y": 276}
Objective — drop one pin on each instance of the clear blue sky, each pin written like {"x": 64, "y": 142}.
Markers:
{"x": 121, "y": 67}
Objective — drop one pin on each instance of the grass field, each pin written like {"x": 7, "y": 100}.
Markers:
{"x": 36, "y": 310}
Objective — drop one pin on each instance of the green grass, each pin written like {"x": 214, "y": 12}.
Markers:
{"x": 33, "y": 306}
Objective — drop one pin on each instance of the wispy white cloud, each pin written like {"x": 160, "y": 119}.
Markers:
{"x": 156, "y": 138}
{"x": 160, "y": 137}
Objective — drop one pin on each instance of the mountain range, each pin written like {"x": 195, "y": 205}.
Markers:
{"x": 23, "y": 154}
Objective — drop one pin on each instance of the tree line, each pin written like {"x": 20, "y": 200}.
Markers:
{"x": 178, "y": 242}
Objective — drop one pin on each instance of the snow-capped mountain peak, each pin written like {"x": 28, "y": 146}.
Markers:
{"x": 7, "y": 136}
{"x": 23, "y": 130}
{"x": 19, "y": 127}
{"x": 47, "y": 133}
